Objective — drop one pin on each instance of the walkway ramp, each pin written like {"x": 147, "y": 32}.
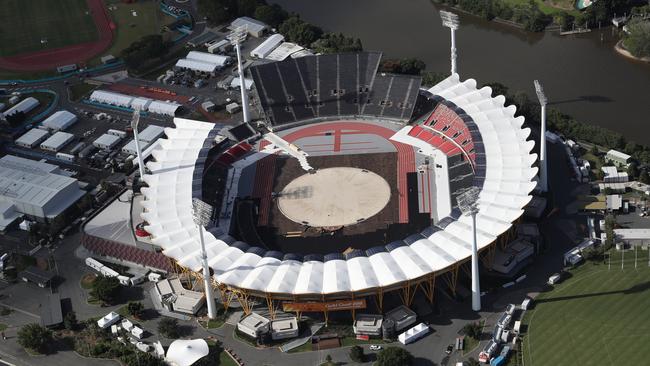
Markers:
{"x": 302, "y": 340}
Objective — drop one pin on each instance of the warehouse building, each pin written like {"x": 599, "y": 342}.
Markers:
{"x": 254, "y": 325}
{"x": 25, "y": 106}
{"x": 35, "y": 188}
{"x": 32, "y": 138}
{"x": 203, "y": 62}
{"x": 127, "y": 101}
{"x": 60, "y": 121}
{"x": 151, "y": 134}
{"x": 254, "y": 27}
{"x": 267, "y": 46}
{"x": 57, "y": 141}
{"x": 107, "y": 141}
{"x": 130, "y": 147}
{"x": 618, "y": 158}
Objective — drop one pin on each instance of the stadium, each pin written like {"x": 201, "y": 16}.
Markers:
{"x": 345, "y": 188}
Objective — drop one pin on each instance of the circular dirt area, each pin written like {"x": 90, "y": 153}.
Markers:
{"x": 334, "y": 197}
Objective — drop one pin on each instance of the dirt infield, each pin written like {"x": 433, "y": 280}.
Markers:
{"x": 79, "y": 53}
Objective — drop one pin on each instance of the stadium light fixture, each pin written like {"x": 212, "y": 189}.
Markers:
{"x": 543, "y": 168}
{"x": 468, "y": 204}
{"x": 236, "y": 37}
{"x": 450, "y": 20}
{"x": 135, "y": 120}
{"x": 202, "y": 215}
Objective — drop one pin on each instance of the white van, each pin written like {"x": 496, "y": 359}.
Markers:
{"x": 554, "y": 279}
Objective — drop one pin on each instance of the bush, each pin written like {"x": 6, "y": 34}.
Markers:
{"x": 473, "y": 330}
{"x": 4, "y": 311}
{"x": 168, "y": 327}
{"x": 135, "y": 308}
{"x": 394, "y": 356}
{"x": 70, "y": 321}
{"x": 106, "y": 289}
{"x": 35, "y": 337}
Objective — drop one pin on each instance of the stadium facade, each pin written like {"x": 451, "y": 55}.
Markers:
{"x": 453, "y": 126}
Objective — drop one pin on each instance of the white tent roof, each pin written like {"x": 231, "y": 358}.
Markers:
{"x": 184, "y": 352}
{"x": 196, "y": 65}
{"x": 218, "y": 60}
{"x": 505, "y": 191}
{"x": 60, "y": 120}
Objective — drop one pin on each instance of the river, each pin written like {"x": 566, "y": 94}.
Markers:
{"x": 582, "y": 74}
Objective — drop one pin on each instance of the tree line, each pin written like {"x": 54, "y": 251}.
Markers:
{"x": 533, "y": 19}
{"x": 290, "y": 25}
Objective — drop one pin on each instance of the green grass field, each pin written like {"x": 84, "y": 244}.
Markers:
{"x": 149, "y": 20}
{"x": 596, "y": 317}
{"x": 24, "y": 23}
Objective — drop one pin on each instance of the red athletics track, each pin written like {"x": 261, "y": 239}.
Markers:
{"x": 405, "y": 153}
{"x": 78, "y": 53}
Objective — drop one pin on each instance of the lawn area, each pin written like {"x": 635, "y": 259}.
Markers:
{"x": 78, "y": 91}
{"x": 24, "y": 23}
{"x": 3, "y": 327}
{"x": 597, "y": 317}
{"x": 149, "y": 20}
{"x": 550, "y": 6}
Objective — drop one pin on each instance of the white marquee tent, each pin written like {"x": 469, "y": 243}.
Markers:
{"x": 185, "y": 352}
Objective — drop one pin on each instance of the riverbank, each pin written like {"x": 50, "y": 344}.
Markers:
{"x": 622, "y": 51}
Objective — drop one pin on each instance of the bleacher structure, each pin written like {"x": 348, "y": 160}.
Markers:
{"x": 484, "y": 143}
{"x": 334, "y": 85}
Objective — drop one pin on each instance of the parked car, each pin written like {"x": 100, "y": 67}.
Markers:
{"x": 450, "y": 349}
{"x": 374, "y": 347}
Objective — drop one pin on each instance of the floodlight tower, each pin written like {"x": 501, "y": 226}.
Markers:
{"x": 202, "y": 214}
{"x": 134, "y": 125}
{"x": 543, "y": 178}
{"x": 236, "y": 37}
{"x": 450, "y": 20}
{"x": 468, "y": 204}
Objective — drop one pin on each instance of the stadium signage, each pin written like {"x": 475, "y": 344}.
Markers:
{"x": 324, "y": 306}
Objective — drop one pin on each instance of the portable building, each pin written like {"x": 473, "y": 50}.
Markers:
{"x": 130, "y": 147}
{"x": 267, "y": 46}
{"x": 26, "y": 105}
{"x": 108, "y": 320}
{"x": 106, "y": 141}
{"x": 87, "y": 151}
{"x": 32, "y": 138}
{"x": 57, "y": 141}
{"x": 77, "y": 148}
{"x": 220, "y": 46}
{"x": 64, "y": 156}
{"x": 59, "y": 121}
{"x": 248, "y": 82}
{"x": 414, "y": 333}
{"x": 118, "y": 133}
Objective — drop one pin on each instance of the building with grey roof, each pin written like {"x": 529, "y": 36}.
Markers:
{"x": 32, "y": 138}
{"x": 25, "y": 106}
{"x": 59, "y": 121}
{"x": 254, "y": 27}
{"x": 107, "y": 141}
{"x": 151, "y": 134}
{"x": 35, "y": 188}
{"x": 57, "y": 141}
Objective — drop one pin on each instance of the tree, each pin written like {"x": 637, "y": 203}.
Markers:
{"x": 473, "y": 330}
{"x": 394, "y": 356}
{"x": 272, "y": 15}
{"x": 633, "y": 170}
{"x": 408, "y": 66}
{"x": 644, "y": 177}
{"x": 135, "y": 308}
{"x": 298, "y": 31}
{"x": 146, "y": 48}
{"x": 70, "y": 321}
{"x": 356, "y": 354}
{"x": 168, "y": 327}
{"x": 473, "y": 362}
{"x": 336, "y": 42}
{"x": 34, "y": 337}
{"x": 106, "y": 289}
{"x": 328, "y": 358}
{"x": 430, "y": 78}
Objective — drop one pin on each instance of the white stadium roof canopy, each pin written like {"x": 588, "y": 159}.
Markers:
{"x": 505, "y": 192}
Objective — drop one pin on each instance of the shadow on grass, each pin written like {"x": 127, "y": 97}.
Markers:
{"x": 632, "y": 290}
